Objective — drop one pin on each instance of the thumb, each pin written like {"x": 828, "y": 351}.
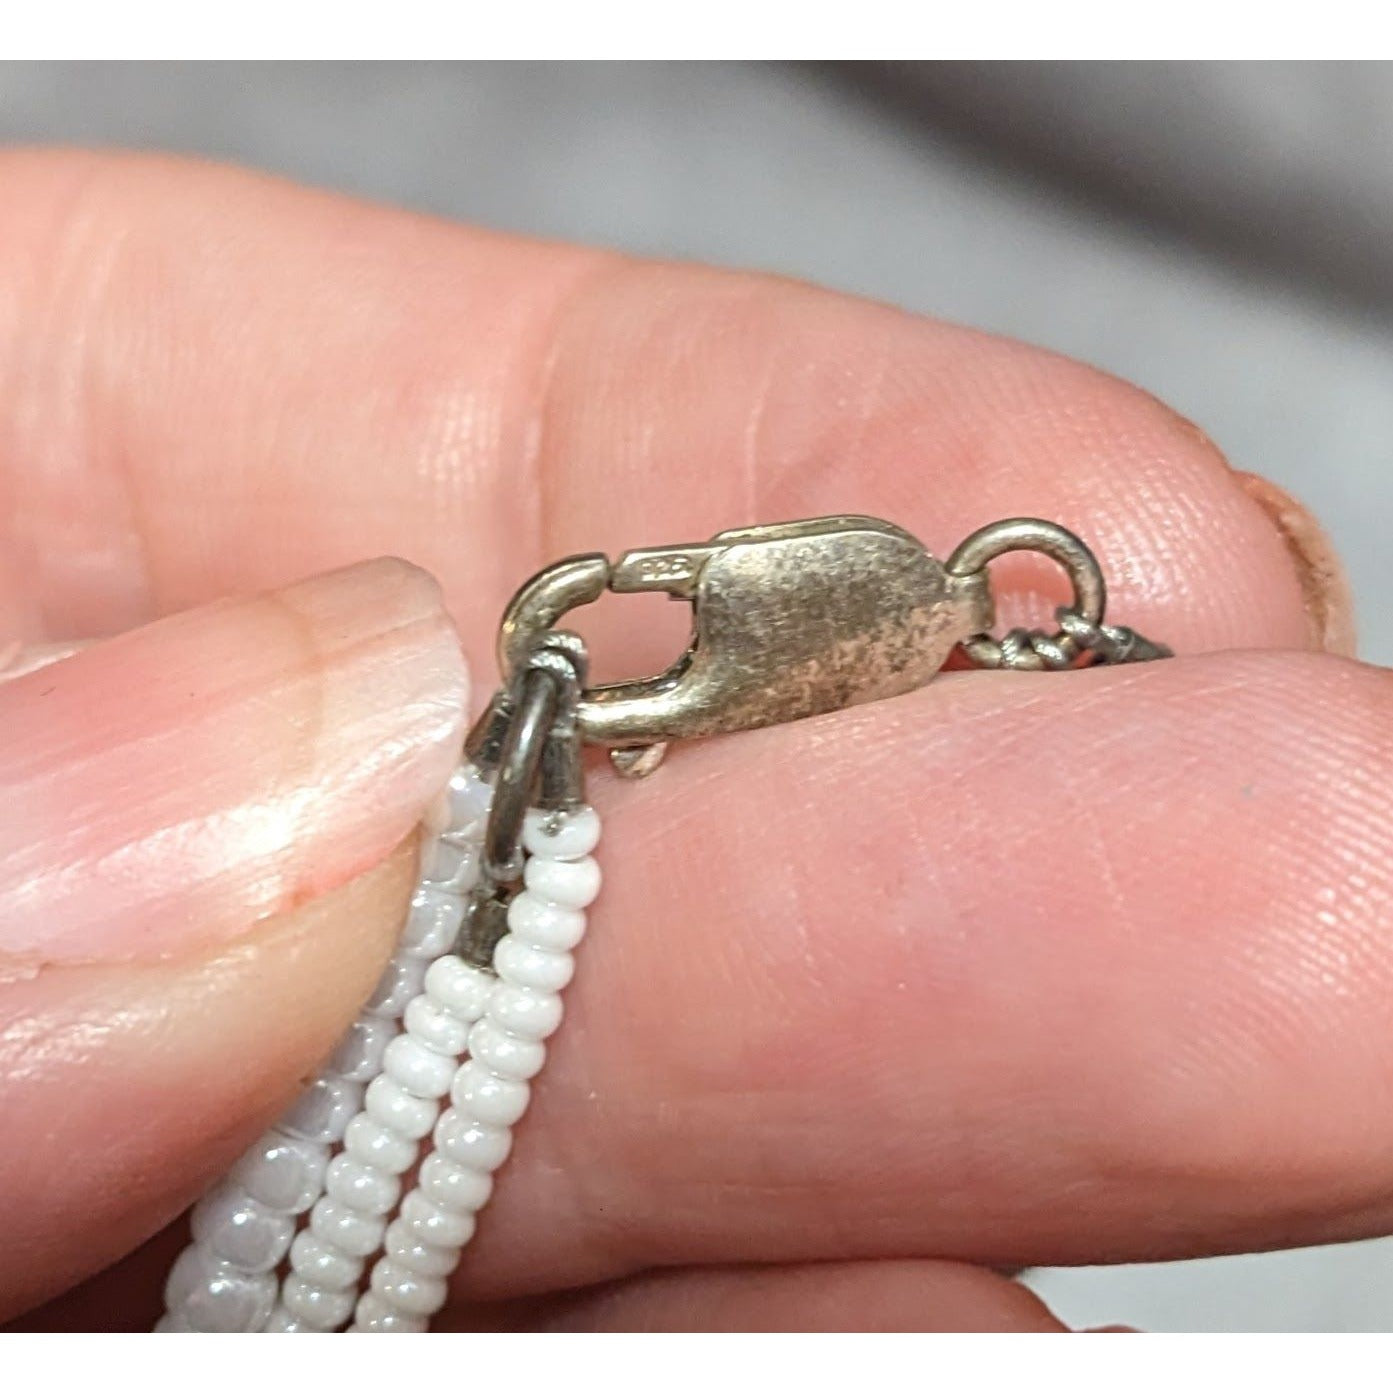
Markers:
{"x": 205, "y": 852}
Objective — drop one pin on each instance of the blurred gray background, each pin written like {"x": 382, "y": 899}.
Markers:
{"x": 1220, "y": 233}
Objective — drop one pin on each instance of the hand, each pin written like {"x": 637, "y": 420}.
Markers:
{"x": 1061, "y": 969}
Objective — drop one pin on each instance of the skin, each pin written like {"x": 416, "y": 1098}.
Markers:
{"x": 1080, "y": 968}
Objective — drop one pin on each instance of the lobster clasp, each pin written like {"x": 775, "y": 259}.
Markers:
{"x": 788, "y": 620}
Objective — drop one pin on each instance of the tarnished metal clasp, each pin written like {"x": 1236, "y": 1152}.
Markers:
{"x": 789, "y": 620}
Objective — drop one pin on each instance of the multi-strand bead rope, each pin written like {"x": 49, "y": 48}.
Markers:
{"x": 489, "y": 1090}
{"x": 435, "y": 1026}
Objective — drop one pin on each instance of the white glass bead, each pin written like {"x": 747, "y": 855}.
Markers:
{"x": 470, "y": 798}
{"x": 363, "y": 1188}
{"x": 505, "y": 1054}
{"x": 437, "y": 1224}
{"x": 432, "y": 924}
{"x": 367, "y": 1140}
{"x": 461, "y": 989}
{"x": 216, "y": 1298}
{"x": 525, "y": 966}
{"x": 374, "y": 1316}
{"x": 350, "y": 1229}
{"x": 561, "y": 836}
{"x": 452, "y": 865}
{"x": 407, "y": 1291}
{"x": 234, "y": 1228}
{"x": 460, "y": 1189}
{"x": 283, "y": 1172}
{"x": 480, "y": 1092}
{"x": 406, "y": 1250}
{"x": 433, "y": 1025}
{"x": 191, "y": 1270}
{"x": 450, "y": 1007}
{"x": 320, "y": 1308}
{"x": 527, "y": 1014}
{"x": 323, "y": 1110}
{"x": 281, "y": 1322}
{"x": 325, "y": 1264}
{"x": 545, "y": 925}
{"x": 418, "y": 1068}
{"x": 470, "y": 1142}
{"x": 401, "y": 979}
{"x": 571, "y": 883}
{"x": 359, "y": 1054}
{"x": 387, "y": 1102}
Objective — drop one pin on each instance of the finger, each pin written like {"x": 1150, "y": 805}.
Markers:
{"x": 833, "y": 1296}
{"x": 189, "y": 909}
{"x": 17, "y": 658}
{"x": 1069, "y": 969}
{"x": 126, "y": 1297}
{"x": 221, "y": 765}
{"x": 133, "y": 1089}
{"x": 216, "y": 382}
{"x": 592, "y": 398}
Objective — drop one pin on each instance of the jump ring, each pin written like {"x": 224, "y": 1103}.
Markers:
{"x": 976, "y": 552}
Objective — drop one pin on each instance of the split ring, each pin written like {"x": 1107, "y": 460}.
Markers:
{"x": 976, "y": 552}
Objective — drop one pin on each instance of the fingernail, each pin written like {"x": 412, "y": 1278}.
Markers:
{"x": 166, "y": 789}
{"x": 1324, "y": 584}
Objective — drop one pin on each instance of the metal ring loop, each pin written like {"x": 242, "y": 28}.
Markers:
{"x": 520, "y": 759}
{"x": 542, "y": 691}
{"x": 976, "y": 552}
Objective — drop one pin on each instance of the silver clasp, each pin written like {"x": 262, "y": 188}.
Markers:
{"x": 788, "y": 620}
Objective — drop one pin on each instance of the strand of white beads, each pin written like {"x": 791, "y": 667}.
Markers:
{"x": 381, "y": 1140}
{"x": 489, "y": 1092}
{"x": 242, "y": 1229}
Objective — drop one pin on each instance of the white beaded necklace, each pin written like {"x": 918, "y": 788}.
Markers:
{"x": 314, "y": 1228}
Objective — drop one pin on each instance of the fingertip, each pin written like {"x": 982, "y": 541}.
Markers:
{"x": 175, "y": 784}
{"x": 133, "y": 1086}
{"x": 1324, "y": 582}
